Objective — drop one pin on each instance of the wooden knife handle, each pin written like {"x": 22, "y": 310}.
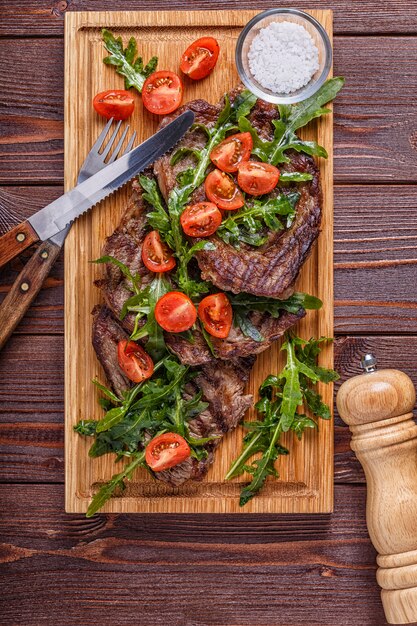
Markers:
{"x": 15, "y": 241}
{"x": 25, "y": 288}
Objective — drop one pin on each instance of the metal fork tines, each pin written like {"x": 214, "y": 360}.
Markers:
{"x": 96, "y": 160}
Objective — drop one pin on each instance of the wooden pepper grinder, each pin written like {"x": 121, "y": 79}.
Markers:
{"x": 377, "y": 406}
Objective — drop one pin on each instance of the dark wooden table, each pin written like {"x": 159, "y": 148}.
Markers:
{"x": 206, "y": 570}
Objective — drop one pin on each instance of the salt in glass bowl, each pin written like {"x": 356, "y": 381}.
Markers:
{"x": 319, "y": 36}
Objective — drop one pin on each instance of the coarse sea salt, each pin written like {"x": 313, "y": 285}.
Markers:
{"x": 283, "y": 57}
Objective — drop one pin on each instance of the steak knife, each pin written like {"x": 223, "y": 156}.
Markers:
{"x": 53, "y": 218}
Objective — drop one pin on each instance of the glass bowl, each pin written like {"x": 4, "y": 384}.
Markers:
{"x": 319, "y": 36}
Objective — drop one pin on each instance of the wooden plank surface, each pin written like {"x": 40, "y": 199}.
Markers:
{"x": 306, "y": 480}
{"x": 156, "y": 569}
{"x": 32, "y": 516}
{"x": 46, "y": 18}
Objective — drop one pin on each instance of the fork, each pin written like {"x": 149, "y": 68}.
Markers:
{"x": 29, "y": 282}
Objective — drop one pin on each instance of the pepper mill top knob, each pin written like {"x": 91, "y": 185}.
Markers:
{"x": 376, "y": 395}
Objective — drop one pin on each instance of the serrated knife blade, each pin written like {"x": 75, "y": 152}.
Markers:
{"x": 56, "y": 216}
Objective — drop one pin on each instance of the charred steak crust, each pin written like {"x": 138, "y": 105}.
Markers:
{"x": 271, "y": 269}
{"x": 236, "y": 344}
{"x": 221, "y": 383}
{"x": 106, "y": 335}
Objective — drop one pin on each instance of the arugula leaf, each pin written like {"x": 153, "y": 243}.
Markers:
{"x": 126, "y": 61}
{"x": 294, "y": 177}
{"x": 248, "y": 224}
{"x": 151, "y": 329}
{"x": 280, "y": 398}
{"x": 158, "y": 218}
{"x": 133, "y": 279}
{"x": 243, "y": 304}
{"x": 293, "y": 117}
{"x": 116, "y": 483}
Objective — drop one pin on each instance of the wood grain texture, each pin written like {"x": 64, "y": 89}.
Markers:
{"x": 26, "y": 287}
{"x": 375, "y": 259}
{"x": 188, "y": 570}
{"x": 375, "y": 136}
{"x": 306, "y": 483}
{"x": 46, "y": 17}
{"x": 15, "y": 241}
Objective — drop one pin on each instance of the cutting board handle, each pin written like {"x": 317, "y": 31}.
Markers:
{"x": 377, "y": 406}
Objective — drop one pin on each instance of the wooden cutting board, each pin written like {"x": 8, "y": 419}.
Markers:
{"x": 306, "y": 483}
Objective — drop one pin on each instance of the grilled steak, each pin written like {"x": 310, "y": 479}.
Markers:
{"x": 236, "y": 344}
{"x": 125, "y": 244}
{"x": 221, "y": 383}
{"x": 271, "y": 269}
{"x": 106, "y": 335}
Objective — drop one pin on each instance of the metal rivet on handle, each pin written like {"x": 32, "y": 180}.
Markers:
{"x": 24, "y": 286}
{"x": 20, "y": 237}
{"x": 44, "y": 254}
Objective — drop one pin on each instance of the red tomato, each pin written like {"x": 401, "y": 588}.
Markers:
{"x": 230, "y": 152}
{"x": 201, "y": 219}
{"x": 155, "y": 253}
{"x": 134, "y": 361}
{"x": 116, "y": 103}
{"x": 165, "y": 451}
{"x": 162, "y": 92}
{"x": 215, "y": 312}
{"x": 222, "y": 190}
{"x": 257, "y": 178}
{"x": 200, "y": 58}
{"x": 175, "y": 312}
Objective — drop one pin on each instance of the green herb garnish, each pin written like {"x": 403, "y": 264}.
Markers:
{"x": 280, "y": 398}
{"x": 248, "y": 225}
{"x": 150, "y": 408}
{"x": 126, "y": 61}
{"x": 291, "y": 118}
{"x": 243, "y": 304}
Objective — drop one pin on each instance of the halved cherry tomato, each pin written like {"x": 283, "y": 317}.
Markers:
{"x": 175, "y": 312}
{"x": 134, "y": 361}
{"x": 116, "y": 103}
{"x": 230, "y": 152}
{"x": 215, "y": 312}
{"x": 222, "y": 190}
{"x": 201, "y": 219}
{"x": 162, "y": 92}
{"x": 165, "y": 451}
{"x": 200, "y": 58}
{"x": 257, "y": 178}
{"x": 155, "y": 253}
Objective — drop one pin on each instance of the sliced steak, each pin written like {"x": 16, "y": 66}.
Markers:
{"x": 125, "y": 244}
{"x": 106, "y": 335}
{"x": 222, "y": 384}
{"x": 236, "y": 344}
{"x": 271, "y": 269}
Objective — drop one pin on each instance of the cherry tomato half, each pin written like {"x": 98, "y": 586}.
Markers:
{"x": 230, "y": 152}
{"x": 175, "y": 312}
{"x": 116, "y": 103}
{"x": 201, "y": 219}
{"x": 221, "y": 189}
{"x": 156, "y": 255}
{"x": 216, "y": 315}
{"x": 134, "y": 361}
{"x": 200, "y": 58}
{"x": 257, "y": 178}
{"x": 162, "y": 92}
{"x": 165, "y": 451}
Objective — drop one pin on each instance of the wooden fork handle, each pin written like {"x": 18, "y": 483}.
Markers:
{"x": 25, "y": 288}
{"x": 15, "y": 241}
